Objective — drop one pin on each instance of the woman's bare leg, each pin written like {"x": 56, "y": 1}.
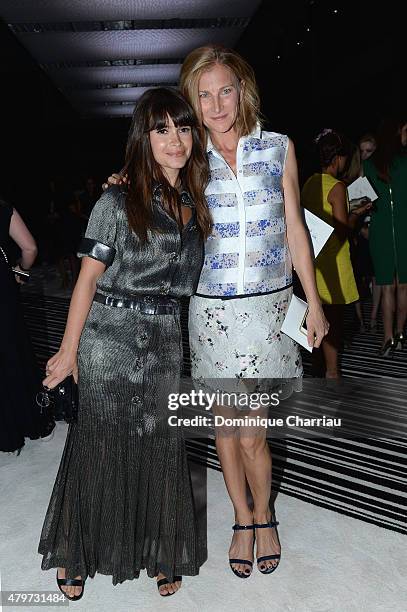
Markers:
{"x": 388, "y": 309}
{"x": 257, "y": 462}
{"x": 401, "y": 307}
{"x": 228, "y": 449}
{"x": 333, "y": 340}
{"x": 376, "y": 297}
{"x": 359, "y": 314}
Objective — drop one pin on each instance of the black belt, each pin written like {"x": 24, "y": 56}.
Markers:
{"x": 146, "y": 304}
{"x": 243, "y": 295}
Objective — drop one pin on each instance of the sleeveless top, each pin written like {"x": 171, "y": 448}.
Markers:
{"x": 334, "y": 272}
{"x": 247, "y": 252}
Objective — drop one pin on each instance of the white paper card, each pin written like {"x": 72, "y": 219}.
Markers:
{"x": 319, "y": 231}
{"x": 361, "y": 188}
{"x": 293, "y": 324}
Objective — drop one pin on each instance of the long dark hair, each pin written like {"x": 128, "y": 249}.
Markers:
{"x": 388, "y": 138}
{"x": 151, "y": 113}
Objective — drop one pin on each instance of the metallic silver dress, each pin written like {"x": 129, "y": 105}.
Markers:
{"x": 123, "y": 500}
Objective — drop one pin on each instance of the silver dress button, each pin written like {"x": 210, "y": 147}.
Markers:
{"x": 136, "y": 400}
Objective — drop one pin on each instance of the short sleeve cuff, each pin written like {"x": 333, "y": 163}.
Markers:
{"x": 97, "y": 250}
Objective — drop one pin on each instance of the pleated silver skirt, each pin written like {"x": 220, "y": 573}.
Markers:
{"x": 123, "y": 500}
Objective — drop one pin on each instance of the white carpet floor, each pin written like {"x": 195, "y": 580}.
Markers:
{"x": 330, "y": 562}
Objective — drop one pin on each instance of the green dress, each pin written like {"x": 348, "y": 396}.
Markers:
{"x": 388, "y": 245}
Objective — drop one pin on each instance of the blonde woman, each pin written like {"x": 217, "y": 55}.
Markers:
{"x": 367, "y": 146}
{"x": 245, "y": 285}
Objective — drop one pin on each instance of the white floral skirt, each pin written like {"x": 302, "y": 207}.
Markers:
{"x": 242, "y": 338}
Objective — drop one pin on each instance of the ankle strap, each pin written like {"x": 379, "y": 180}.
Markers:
{"x": 270, "y": 524}
{"x": 237, "y": 527}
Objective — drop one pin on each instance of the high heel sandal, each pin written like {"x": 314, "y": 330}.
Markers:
{"x": 399, "y": 341}
{"x": 237, "y": 527}
{"x": 268, "y": 570}
{"x": 163, "y": 581}
{"x": 387, "y": 348}
{"x": 71, "y": 582}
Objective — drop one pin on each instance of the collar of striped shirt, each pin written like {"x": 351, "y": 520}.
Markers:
{"x": 256, "y": 133}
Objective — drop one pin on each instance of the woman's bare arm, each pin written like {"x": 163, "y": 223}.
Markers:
{"x": 64, "y": 362}
{"x": 337, "y": 199}
{"x": 20, "y": 233}
{"x": 299, "y": 244}
{"x": 343, "y": 220}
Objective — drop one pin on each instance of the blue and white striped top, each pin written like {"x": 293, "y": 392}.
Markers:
{"x": 247, "y": 252}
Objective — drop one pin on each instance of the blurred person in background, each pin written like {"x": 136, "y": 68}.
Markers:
{"x": 89, "y": 196}
{"x": 69, "y": 229}
{"x": 358, "y": 240}
{"x": 367, "y": 146}
{"x": 386, "y": 169}
{"x": 51, "y": 206}
{"x": 325, "y": 195}
{"x": 20, "y": 377}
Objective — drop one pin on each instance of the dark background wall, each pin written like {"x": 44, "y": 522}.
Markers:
{"x": 347, "y": 72}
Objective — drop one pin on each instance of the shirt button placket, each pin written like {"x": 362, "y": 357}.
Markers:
{"x": 164, "y": 287}
{"x": 242, "y": 218}
{"x": 173, "y": 258}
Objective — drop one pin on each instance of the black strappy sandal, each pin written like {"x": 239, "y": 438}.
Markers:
{"x": 166, "y": 581}
{"x": 70, "y": 582}
{"x": 268, "y": 570}
{"x": 237, "y": 527}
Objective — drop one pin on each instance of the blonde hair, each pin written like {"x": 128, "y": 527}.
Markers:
{"x": 204, "y": 58}
{"x": 353, "y": 167}
{"x": 368, "y": 138}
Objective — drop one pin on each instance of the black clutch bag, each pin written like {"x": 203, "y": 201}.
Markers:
{"x": 65, "y": 400}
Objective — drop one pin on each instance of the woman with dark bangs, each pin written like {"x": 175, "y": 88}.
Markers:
{"x": 122, "y": 500}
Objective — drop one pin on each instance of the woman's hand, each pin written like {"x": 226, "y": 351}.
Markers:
{"x": 317, "y": 325}
{"x": 114, "y": 179}
{"x": 362, "y": 208}
{"x": 61, "y": 365}
{"x": 19, "y": 279}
